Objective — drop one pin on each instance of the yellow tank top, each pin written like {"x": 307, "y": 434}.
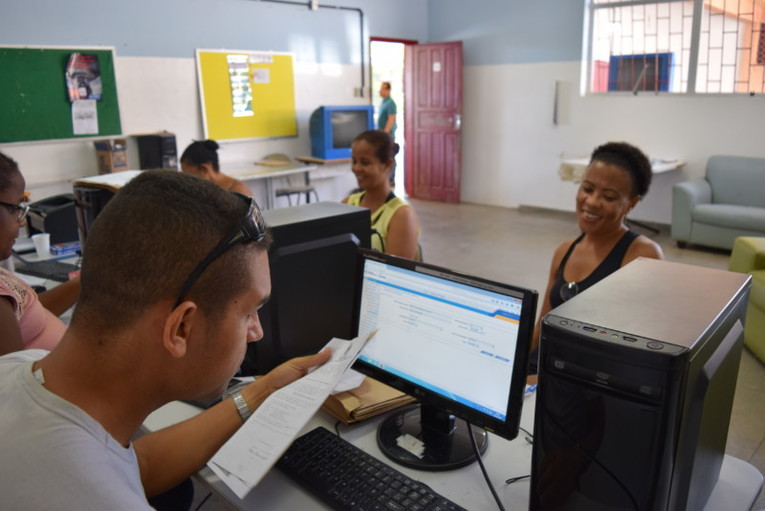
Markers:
{"x": 380, "y": 218}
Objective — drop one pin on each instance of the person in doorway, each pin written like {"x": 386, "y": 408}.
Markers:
{"x": 27, "y": 320}
{"x": 174, "y": 273}
{"x": 395, "y": 228}
{"x": 617, "y": 178}
{"x": 200, "y": 159}
{"x": 386, "y": 121}
{"x": 386, "y": 115}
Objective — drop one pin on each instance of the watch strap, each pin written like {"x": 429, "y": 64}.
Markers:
{"x": 241, "y": 406}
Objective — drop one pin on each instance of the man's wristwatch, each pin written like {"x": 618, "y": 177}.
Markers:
{"x": 241, "y": 406}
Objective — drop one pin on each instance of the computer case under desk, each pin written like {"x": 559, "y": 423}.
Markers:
{"x": 636, "y": 382}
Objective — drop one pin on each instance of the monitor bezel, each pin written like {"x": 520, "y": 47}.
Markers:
{"x": 507, "y": 428}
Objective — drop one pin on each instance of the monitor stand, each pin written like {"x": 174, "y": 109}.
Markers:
{"x": 426, "y": 438}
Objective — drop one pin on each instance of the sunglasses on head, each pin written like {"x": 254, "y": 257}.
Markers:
{"x": 251, "y": 228}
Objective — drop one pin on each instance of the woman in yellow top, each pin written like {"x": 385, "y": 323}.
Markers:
{"x": 395, "y": 228}
{"x": 200, "y": 159}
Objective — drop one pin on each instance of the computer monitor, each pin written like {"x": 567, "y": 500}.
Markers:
{"x": 313, "y": 281}
{"x": 457, "y": 343}
{"x": 333, "y": 128}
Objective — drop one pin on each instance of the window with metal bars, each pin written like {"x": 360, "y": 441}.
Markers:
{"x": 676, "y": 46}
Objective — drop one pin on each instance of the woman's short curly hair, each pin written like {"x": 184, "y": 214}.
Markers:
{"x": 631, "y": 159}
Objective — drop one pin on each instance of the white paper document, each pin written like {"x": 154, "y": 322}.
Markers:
{"x": 251, "y": 452}
{"x": 85, "y": 117}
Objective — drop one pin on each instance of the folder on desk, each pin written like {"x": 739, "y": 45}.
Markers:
{"x": 367, "y": 400}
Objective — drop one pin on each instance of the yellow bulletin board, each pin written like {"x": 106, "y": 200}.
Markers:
{"x": 246, "y": 94}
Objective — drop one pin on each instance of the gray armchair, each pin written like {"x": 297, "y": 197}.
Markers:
{"x": 728, "y": 202}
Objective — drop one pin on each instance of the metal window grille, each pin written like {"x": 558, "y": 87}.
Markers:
{"x": 678, "y": 46}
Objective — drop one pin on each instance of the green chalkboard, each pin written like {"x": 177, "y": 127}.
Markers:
{"x": 34, "y": 101}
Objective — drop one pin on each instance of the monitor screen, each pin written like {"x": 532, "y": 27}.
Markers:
{"x": 458, "y": 343}
{"x": 346, "y": 124}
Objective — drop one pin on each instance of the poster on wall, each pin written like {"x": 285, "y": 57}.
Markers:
{"x": 241, "y": 92}
{"x": 83, "y": 77}
{"x": 246, "y": 94}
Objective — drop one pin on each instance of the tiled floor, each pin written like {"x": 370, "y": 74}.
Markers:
{"x": 515, "y": 246}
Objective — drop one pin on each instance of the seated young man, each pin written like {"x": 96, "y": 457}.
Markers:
{"x": 174, "y": 272}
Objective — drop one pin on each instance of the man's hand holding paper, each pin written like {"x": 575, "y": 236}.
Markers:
{"x": 251, "y": 452}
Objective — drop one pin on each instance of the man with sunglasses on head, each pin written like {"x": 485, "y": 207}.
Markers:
{"x": 174, "y": 272}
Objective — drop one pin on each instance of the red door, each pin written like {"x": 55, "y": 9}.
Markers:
{"x": 433, "y": 109}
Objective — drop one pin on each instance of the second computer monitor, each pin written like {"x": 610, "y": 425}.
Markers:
{"x": 313, "y": 281}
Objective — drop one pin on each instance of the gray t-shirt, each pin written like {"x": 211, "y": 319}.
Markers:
{"x": 53, "y": 454}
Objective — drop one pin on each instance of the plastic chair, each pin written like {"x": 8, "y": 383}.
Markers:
{"x": 293, "y": 189}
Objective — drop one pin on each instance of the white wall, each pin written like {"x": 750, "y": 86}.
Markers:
{"x": 515, "y": 50}
{"x": 512, "y": 150}
{"x": 172, "y": 103}
{"x": 155, "y": 44}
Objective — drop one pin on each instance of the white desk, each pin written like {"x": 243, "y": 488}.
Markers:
{"x": 736, "y": 490}
{"x": 572, "y": 169}
{"x": 267, "y": 173}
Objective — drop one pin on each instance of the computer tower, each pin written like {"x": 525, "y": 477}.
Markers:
{"x": 157, "y": 151}
{"x": 636, "y": 382}
{"x": 313, "y": 281}
{"x": 56, "y": 216}
{"x": 90, "y": 202}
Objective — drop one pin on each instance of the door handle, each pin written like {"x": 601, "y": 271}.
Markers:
{"x": 457, "y": 122}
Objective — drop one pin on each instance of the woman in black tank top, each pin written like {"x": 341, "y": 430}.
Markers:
{"x": 616, "y": 179}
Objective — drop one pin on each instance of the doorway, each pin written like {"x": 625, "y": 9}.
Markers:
{"x": 387, "y": 62}
{"x": 426, "y": 84}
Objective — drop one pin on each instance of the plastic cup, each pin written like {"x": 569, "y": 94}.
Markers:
{"x": 42, "y": 244}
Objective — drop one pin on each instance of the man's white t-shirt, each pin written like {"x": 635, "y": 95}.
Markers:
{"x": 53, "y": 455}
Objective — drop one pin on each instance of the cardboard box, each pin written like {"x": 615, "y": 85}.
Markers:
{"x": 112, "y": 155}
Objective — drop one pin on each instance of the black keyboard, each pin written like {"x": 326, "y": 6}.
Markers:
{"x": 53, "y": 270}
{"x": 347, "y": 478}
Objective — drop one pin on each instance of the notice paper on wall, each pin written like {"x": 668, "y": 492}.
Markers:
{"x": 84, "y": 117}
{"x": 251, "y": 452}
{"x": 241, "y": 90}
